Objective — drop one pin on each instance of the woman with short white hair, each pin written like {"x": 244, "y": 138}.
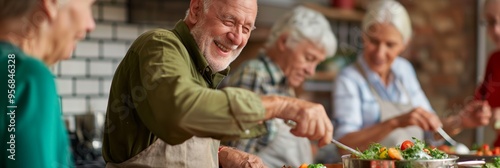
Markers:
{"x": 379, "y": 99}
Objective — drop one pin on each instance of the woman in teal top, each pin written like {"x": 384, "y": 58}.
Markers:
{"x": 34, "y": 35}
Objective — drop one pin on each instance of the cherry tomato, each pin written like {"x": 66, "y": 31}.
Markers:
{"x": 479, "y": 153}
{"x": 486, "y": 147}
{"x": 406, "y": 144}
{"x": 488, "y": 153}
{"x": 496, "y": 151}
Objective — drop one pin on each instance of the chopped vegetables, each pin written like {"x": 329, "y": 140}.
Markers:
{"x": 495, "y": 164}
{"x": 304, "y": 165}
{"x": 319, "y": 165}
{"x": 394, "y": 154}
{"x": 408, "y": 150}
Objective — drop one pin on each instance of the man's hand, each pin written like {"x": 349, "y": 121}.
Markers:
{"x": 230, "y": 157}
{"x": 476, "y": 113}
{"x": 312, "y": 121}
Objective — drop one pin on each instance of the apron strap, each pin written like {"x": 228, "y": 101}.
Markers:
{"x": 273, "y": 82}
{"x": 372, "y": 89}
{"x": 290, "y": 91}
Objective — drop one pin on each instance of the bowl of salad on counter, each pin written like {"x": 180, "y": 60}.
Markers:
{"x": 410, "y": 154}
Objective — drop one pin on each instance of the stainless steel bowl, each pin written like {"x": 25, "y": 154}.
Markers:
{"x": 349, "y": 162}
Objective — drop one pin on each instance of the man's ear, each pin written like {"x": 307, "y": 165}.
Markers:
{"x": 195, "y": 9}
{"x": 49, "y": 8}
{"x": 281, "y": 41}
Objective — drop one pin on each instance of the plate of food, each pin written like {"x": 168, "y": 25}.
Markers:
{"x": 483, "y": 152}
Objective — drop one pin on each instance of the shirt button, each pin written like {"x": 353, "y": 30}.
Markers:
{"x": 247, "y": 132}
{"x": 206, "y": 69}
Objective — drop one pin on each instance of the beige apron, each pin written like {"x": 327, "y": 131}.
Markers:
{"x": 390, "y": 110}
{"x": 193, "y": 153}
{"x": 286, "y": 149}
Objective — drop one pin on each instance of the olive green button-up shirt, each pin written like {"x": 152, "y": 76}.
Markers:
{"x": 164, "y": 88}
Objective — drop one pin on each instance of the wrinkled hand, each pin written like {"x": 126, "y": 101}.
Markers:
{"x": 476, "y": 113}
{"x": 311, "y": 118}
{"x": 230, "y": 157}
{"x": 419, "y": 117}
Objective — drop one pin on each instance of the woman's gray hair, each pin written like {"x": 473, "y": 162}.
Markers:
{"x": 11, "y": 9}
{"x": 388, "y": 11}
{"x": 304, "y": 24}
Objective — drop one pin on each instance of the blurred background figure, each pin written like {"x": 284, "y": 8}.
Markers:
{"x": 489, "y": 90}
{"x": 379, "y": 99}
{"x": 35, "y": 34}
{"x": 298, "y": 42}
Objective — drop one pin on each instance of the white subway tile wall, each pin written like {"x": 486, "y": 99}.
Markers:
{"x": 87, "y": 49}
{"x": 102, "y": 30}
{"x": 106, "y": 84}
{"x": 65, "y": 86}
{"x": 84, "y": 81}
{"x": 87, "y": 87}
{"x": 114, "y": 49}
{"x": 98, "y": 104}
{"x": 73, "y": 67}
{"x": 127, "y": 32}
{"x": 101, "y": 68}
{"x": 74, "y": 105}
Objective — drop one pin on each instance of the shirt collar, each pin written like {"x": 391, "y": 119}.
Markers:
{"x": 277, "y": 75}
{"x": 182, "y": 31}
{"x": 373, "y": 76}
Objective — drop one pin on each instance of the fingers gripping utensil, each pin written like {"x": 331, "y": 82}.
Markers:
{"x": 340, "y": 145}
{"x": 459, "y": 147}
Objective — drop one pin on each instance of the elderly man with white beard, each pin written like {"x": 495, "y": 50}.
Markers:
{"x": 165, "y": 110}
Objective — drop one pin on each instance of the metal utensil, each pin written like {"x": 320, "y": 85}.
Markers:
{"x": 345, "y": 147}
{"x": 446, "y": 136}
{"x": 459, "y": 147}
{"x": 471, "y": 163}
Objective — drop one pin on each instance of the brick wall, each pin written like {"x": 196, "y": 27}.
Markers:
{"x": 443, "y": 52}
{"x": 84, "y": 80}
